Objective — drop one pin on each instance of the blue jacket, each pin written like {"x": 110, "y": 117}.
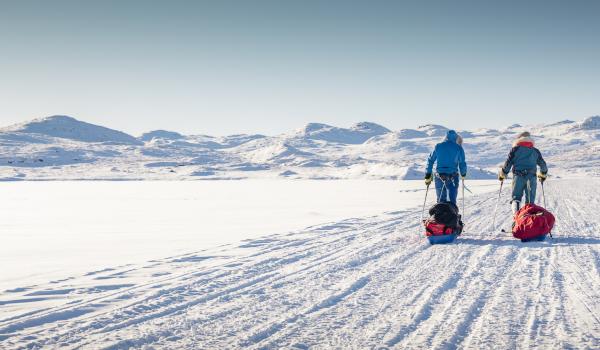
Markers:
{"x": 450, "y": 156}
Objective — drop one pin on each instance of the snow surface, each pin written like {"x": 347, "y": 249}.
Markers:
{"x": 359, "y": 282}
{"x": 74, "y": 227}
{"x": 266, "y": 264}
{"x": 66, "y": 127}
{"x": 63, "y": 148}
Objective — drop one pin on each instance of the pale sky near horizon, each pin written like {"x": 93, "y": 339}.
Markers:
{"x": 223, "y": 67}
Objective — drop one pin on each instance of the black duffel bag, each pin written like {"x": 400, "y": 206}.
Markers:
{"x": 447, "y": 214}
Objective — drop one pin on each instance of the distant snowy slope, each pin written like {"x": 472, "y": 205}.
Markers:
{"x": 356, "y": 134}
{"x": 273, "y": 151}
{"x": 591, "y": 123}
{"x": 70, "y": 128}
{"x": 161, "y": 134}
{"x": 433, "y": 130}
{"x": 369, "y": 129}
{"x": 411, "y": 134}
{"x": 60, "y": 147}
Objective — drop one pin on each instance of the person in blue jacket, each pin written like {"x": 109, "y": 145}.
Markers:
{"x": 524, "y": 159}
{"x": 450, "y": 158}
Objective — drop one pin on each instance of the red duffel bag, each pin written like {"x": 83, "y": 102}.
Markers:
{"x": 532, "y": 221}
{"x": 432, "y": 228}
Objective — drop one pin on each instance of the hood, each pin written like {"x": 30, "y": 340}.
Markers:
{"x": 451, "y": 136}
{"x": 524, "y": 141}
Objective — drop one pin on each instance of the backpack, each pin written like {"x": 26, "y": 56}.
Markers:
{"x": 532, "y": 221}
{"x": 443, "y": 220}
{"x": 445, "y": 213}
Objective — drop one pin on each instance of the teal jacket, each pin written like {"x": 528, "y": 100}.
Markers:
{"x": 524, "y": 159}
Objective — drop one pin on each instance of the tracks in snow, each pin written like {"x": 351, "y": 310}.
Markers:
{"x": 360, "y": 283}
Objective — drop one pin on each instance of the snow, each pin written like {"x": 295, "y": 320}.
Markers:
{"x": 365, "y": 279}
{"x": 75, "y": 227}
{"x": 356, "y": 134}
{"x": 161, "y": 134}
{"x": 591, "y": 123}
{"x": 277, "y": 261}
{"x": 63, "y": 148}
{"x": 369, "y": 128}
{"x": 66, "y": 127}
{"x": 433, "y": 130}
{"x": 410, "y": 134}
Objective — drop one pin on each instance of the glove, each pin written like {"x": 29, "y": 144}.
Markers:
{"x": 501, "y": 175}
{"x": 542, "y": 177}
{"x": 463, "y": 176}
{"x": 428, "y": 179}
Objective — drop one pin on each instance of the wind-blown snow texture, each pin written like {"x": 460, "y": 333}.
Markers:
{"x": 359, "y": 283}
{"x": 60, "y": 147}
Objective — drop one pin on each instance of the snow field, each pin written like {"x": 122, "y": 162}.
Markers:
{"x": 363, "y": 282}
{"x": 57, "y": 229}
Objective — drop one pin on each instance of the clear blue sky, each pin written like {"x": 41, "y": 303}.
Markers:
{"x": 221, "y": 67}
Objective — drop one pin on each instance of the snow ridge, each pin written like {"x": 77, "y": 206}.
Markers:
{"x": 61, "y": 148}
{"x": 65, "y": 127}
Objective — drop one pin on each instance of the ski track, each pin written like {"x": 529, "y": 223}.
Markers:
{"x": 370, "y": 282}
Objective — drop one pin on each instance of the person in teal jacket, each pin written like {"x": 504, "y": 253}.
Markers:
{"x": 524, "y": 159}
{"x": 450, "y": 158}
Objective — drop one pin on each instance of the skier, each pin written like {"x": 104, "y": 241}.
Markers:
{"x": 524, "y": 159}
{"x": 450, "y": 158}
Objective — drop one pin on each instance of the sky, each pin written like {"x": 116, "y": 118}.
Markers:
{"x": 223, "y": 67}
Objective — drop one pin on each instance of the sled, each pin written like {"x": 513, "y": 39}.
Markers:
{"x": 443, "y": 239}
{"x": 535, "y": 239}
{"x": 439, "y": 233}
{"x": 444, "y": 224}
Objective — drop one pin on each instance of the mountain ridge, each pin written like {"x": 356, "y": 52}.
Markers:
{"x": 62, "y": 147}
{"x": 62, "y": 126}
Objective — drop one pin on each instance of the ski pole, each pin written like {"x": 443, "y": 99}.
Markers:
{"x": 463, "y": 199}
{"x": 424, "y": 203}
{"x": 544, "y": 195}
{"x": 467, "y": 189}
{"x": 496, "y": 208}
{"x": 528, "y": 197}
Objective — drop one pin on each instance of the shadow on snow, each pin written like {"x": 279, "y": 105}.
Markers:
{"x": 556, "y": 241}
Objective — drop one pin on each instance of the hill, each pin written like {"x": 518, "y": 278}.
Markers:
{"x": 61, "y": 147}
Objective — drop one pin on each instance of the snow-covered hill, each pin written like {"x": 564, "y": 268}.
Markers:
{"x": 64, "y": 127}
{"x": 356, "y": 134}
{"x": 61, "y": 147}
